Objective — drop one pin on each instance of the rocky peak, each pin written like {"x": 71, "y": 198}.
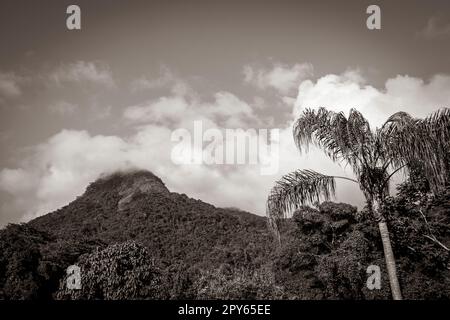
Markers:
{"x": 141, "y": 181}
{"x": 127, "y": 184}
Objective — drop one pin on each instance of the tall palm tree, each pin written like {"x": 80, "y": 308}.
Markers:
{"x": 373, "y": 155}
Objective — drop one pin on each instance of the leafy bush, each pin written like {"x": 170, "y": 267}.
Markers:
{"x": 326, "y": 254}
{"x": 121, "y": 271}
{"x": 227, "y": 283}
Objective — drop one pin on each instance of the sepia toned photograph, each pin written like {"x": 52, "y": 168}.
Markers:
{"x": 248, "y": 152}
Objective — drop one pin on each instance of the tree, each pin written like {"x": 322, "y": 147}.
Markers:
{"x": 237, "y": 284}
{"x": 118, "y": 272}
{"x": 23, "y": 273}
{"x": 373, "y": 155}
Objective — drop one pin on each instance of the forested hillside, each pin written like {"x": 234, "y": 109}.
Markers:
{"x": 134, "y": 239}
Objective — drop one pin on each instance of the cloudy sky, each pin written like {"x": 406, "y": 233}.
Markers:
{"x": 75, "y": 104}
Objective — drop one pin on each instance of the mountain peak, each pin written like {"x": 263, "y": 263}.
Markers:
{"x": 127, "y": 184}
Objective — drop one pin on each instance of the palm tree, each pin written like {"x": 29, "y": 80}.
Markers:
{"x": 373, "y": 155}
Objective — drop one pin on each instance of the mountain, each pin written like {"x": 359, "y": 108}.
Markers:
{"x": 134, "y": 239}
{"x": 182, "y": 234}
{"x": 138, "y": 206}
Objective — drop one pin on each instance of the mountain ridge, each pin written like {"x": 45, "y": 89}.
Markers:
{"x": 137, "y": 205}
{"x": 194, "y": 250}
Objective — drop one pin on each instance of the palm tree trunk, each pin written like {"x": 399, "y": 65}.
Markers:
{"x": 390, "y": 261}
{"x": 388, "y": 254}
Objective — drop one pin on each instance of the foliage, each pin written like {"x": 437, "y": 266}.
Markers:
{"x": 20, "y": 274}
{"x": 163, "y": 245}
{"x": 33, "y": 261}
{"x": 299, "y": 188}
{"x": 326, "y": 254}
{"x": 373, "y": 155}
{"x": 183, "y": 235}
{"x": 227, "y": 283}
{"x": 420, "y": 223}
{"x": 121, "y": 271}
{"x": 425, "y": 141}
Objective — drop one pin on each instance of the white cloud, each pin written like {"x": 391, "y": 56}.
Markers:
{"x": 230, "y": 107}
{"x": 58, "y": 170}
{"x": 281, "y": 77}
{"x": 226, "y": 109}
{"x": 82, "y": 71}
{"x": 164, "y": 108}
{"x": 402, "y": 93}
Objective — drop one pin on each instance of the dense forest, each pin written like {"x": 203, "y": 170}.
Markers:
{"x": 134, "y": 239}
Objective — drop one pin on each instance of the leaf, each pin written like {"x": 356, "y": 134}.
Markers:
{"x": 296, "y": 189}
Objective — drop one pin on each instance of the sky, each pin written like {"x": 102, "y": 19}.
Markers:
{"x": 75, "y": 104}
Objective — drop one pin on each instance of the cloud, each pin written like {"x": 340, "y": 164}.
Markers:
{"x": 56, "y": 171}
{"x": 82, "y": 71}
{"x": 166, "y": 78}
{"x": 281, "y": 77}
{"x": 162, "y": 109}
{"x": 402, "y": 93}
{"x": 60, "y": 169}
{"x": 435, "y": 29}
{"x": 226, "y": 109}
{"x": 10, "y": 84}
{"x": 230, "y": 107}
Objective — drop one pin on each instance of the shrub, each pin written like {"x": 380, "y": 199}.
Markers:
{"x": 121, "y": 271}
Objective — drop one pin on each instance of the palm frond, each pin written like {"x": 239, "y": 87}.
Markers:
{"x": 296, "y": 189}
{"x": 317, "y": 127}
{"x": 406, "y": 140}
{"x": 434, "y": 151}
{"x": 340, "y": 138}
{"x": 361, "y": 137}
{"x": 358, "y": 127}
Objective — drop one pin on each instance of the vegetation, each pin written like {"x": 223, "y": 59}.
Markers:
{"x": 185, "y": 238}
{"x": 134, "y": 239}
{"x": 374, "y": 156}
{"x": 326, "y": 250}
{"x": 121, "y": 271}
